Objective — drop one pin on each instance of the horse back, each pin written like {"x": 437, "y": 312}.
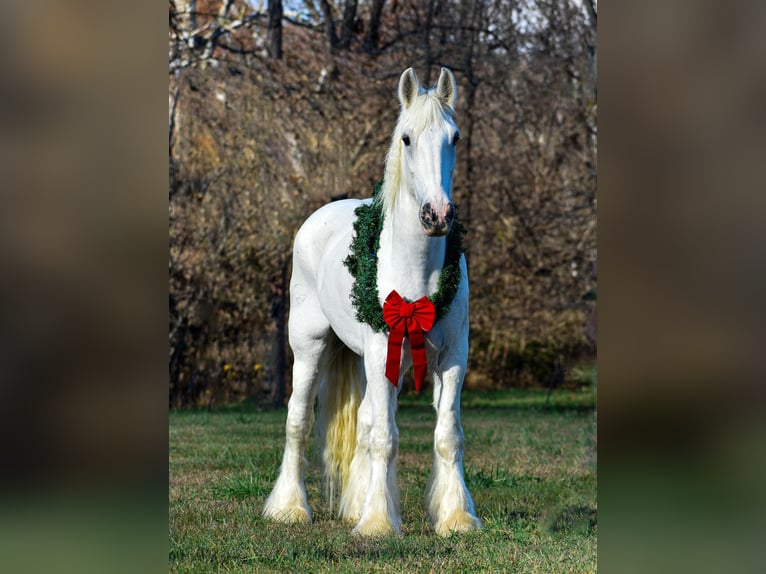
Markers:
{"x": 323, "y": 241}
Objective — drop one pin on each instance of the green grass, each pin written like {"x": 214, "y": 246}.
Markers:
{"x": 531, "y": 469}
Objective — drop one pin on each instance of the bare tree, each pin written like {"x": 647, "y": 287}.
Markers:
{"x": 198, "y": 39}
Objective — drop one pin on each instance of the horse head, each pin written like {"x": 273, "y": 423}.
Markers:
{"x": 427, "y": 136}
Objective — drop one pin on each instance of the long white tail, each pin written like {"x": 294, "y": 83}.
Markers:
{"x": 339, "y": 398}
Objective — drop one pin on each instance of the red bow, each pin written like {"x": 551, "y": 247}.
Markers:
{"x": 412, "y": 319}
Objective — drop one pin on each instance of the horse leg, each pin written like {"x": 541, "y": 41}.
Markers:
{"x": 449, "y": 503}
{"x": 288, "y": 501}
{"x": 380, "y": 512}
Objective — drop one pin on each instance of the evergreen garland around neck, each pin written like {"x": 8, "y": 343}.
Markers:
{"x": 362, "y": 262}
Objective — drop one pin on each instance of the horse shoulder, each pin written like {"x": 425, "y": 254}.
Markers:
{"x": 329, "y": 224}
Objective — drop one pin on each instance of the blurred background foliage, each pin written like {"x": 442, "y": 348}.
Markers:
{"x": 278, "y": 108}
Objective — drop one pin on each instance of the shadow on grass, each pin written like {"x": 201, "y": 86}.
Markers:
{"x": 575, "y": 520}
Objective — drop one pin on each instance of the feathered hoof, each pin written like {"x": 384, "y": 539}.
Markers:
{"x": 350, "y": 519}
{"x": 291, "y": 515}
{"x": 376, "y": 525}
{"x": 351, "y": 512}
{"x": 458, "y": 521}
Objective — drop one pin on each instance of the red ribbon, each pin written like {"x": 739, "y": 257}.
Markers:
{"x": 411, "y": 319}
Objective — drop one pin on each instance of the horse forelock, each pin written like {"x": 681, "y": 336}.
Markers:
{"x": 425, "y": 110}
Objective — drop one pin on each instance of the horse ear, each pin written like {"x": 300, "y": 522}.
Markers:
{"x": 446, "y": 88}
{"x": 408, "y": 87}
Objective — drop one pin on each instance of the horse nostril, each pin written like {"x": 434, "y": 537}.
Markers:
{"x": 427, "y": 214}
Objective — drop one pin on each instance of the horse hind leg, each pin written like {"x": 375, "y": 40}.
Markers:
{"x": 288, "y": 501}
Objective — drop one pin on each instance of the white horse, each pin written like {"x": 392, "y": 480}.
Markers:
{"x": 343, "y": 361}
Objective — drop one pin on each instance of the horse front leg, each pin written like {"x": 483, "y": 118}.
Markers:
{"x": 380, "y": 511}
{"x": 449, "y": 503}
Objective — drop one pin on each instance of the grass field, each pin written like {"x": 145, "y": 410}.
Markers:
{"x": 530, "y": 468}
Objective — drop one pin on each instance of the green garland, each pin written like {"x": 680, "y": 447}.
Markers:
{"x": 362, "y": 262}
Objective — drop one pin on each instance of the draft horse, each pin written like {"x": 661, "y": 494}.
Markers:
{"x": 354, "y": 367}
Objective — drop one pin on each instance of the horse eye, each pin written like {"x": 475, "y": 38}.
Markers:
{"x": 455, "y": 139}
{"x": 406, "y": 140}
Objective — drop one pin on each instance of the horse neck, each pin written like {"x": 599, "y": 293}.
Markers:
{"x": 408, "y": 260}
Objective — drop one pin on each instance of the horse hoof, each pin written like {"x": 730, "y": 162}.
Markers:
{"x": 375, "y": 525}
{"x": 458, "y": 521}
{"x": 294, "y": 515}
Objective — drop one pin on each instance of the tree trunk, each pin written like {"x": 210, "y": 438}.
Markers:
{"x": 470, "y": 42}
{"x": 275, "y": 29}
{"x": 372, "y": 37}
{"x": 329, "y": 23}
{"x": 429, "y": 59}
{"x": 349, "y": 19}
{"x": 279, "y": 348}
{"x": 173, "y": 119}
